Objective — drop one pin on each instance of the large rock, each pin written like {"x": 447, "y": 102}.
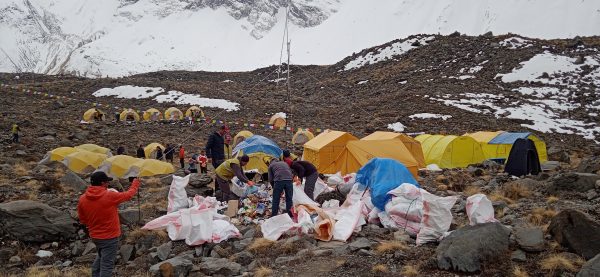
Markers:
{"x": 130, "y": 216}
{"x": 199, "y": 180}
{"x": 164, "y": 250}
{"x": 590, "y": 165}
{"x": 576, "y": 231}
{"x": 32, "y": 221}
{"x": 181, "y": 266}
{"x": 72, "y": 180}
{"x": 466, "y": 248}
{"x": 573, "y": 181}
{"x": 558, "y": 154}
{"x": 216, "y": 266}
{"x": 126, "y": 252}
{"x": 530, "y": 239}
{"x": 591, "y": 268}
{"x": 243, "y": 258}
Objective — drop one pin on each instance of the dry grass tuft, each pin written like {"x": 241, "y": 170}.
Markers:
{"x": 157, "y": 189}
{"x": 519, "y": 272}
{"x": 552, "y": 199}
{"x": 35, "y": 271}
{"x": 380, "y": 268}
{"x": 559, "y": 263}
{"x": 138, "y": 233}
{"x": 78, "y": 271}
{"x": 263, "y": 272}
{"x": 153, "y": 182}
{"x": 392, "y": 246}
{"x": 515, "y": 191}
{"x": 410, "y": 271}
{"x": 21, "y": 169}
{"x": 260, "y": 246}
{"x": 497, "y": 196}
{"x": 442, "y": 188}
{"x": 472, "y": 190}
{"x": 154, "y": 206}
{"x": 541, "y": 216}
{"x": 59, "y": 173}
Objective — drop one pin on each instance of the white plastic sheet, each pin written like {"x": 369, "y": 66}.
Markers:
{"x": 305, "y": 222}
{"x": 479, "y": 209}
{"x": 275, "y": 226}
{"x": 224, "y": 230}
{"x": 437, "y": 217}
{"x": 347, "y": 220}
{"x": 177, "y": 195}
{"x": 300, "y": 198}
{"x": 201, "y": 228}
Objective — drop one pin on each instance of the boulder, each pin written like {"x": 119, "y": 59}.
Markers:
{"x": 199, "y": 180}
{"x": 589, "y": 165}
{"x": 181, "y": 266}
{"x": 90, "y": 247}
{"x": 577, "y": 232}
{"x": 32, "y": 221}
{"x": 361, "y": 243}
{"x": 78, "y": 248}
{"x": 126, "y": 252}
{"x": 530, "y": 239}
{"x": 591, "y": 268}
{"x": 465, "y": 249}
{"x": 164, "y": 250}
{"x": 518, "y": 256}
{"x": 572, "y": 181}
{"x": 130, "y": 216}
{"x": 558, "y": 154}
{"x": 244, "y": 258}
{"x": 6, "y": 253}
{"x": 72, "y": 180}
{"x": 216, "y": 266}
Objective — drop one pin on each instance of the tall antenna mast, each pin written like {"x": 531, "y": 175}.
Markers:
{"x": 288, "y": 121}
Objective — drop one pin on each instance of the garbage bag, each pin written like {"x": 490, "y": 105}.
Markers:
{"x": 300, "y": 198}
{"x": 177, "y": 195}
{"x": 224, "y": 230}
{"x": 275, "y": 226}
{"x": 347, "y": 220}
{"x": 437, "y": 217}
{"x": 405, "y": 209}
{"x": 479, "y": 209}
{"x": 305, "y": 221}
{"x": 201, "y": 226}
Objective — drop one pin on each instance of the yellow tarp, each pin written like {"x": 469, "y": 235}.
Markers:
{"x": 450, "y": 151}
{"x": 411, "y": 144}
{"x": 357, "y": 153}
{"x": 540, "y": 147}
{"x": 152, "y": 111}
{"x": 322, "y": 150}
{"x": 149, "y": 167}
{"x": 241, "y": 136}
{"x": 84, "y": 161}
{"x": 58, "y": 154}
{"x": 302, "y": 137}
{"x": 501, "y": 151}
{"x": 89, "y": 115}
{"x": 197, "y": 110}
{"x": 277, "y": 120}
{"x": 150, "y": 150}
{"x": 95, "y": 149}
{"x": 257, "y": 162}
{"x": 117, "y": 166}
{"x": 173, "y": 113}
{"x": 129, "y": 115}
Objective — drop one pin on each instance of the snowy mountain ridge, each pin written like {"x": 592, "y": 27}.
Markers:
{"x": 124, "y": 37}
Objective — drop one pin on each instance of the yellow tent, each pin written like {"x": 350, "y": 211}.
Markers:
{"x": 450, "y": 151}
{"x": 491, "y": 151}
{"x": 84, "y": 161}
{"x": 173, "y": 113}
{"x": 58, "y": 154}
{"x": 241, "y": 136}
{"x": 92, "y": 114}
{"x": 357, "y": 153}
{"x": 118, "y": 165}
{"x": 277, "y": 120}
{"x": 325, "y": 148}
{"x": 302, "y": 137}
{"x": 129, "y": 115}
{"x": 149, "y": 167}
{"x": 152, "y": 114}
{"x": 257, "y": 162}
{"x": 95, "y": 148}
{"x": 411, "y": 144}
{"x": 150, "y": 150}
{"x": 498, "y": 146}
{"x": 198, "y": 113}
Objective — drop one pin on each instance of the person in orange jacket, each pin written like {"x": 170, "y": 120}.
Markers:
{"x": 98, "y": 210}
{"x": 181, "y": 156}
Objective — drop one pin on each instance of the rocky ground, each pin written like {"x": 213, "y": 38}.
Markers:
{"x": 546, "y": 232}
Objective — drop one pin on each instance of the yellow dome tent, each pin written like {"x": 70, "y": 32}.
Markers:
{"x": 58, "y": 154}
{"x": 241, "y": 136}
{"x": 194, "y": 112}
{"x": 358, "y": 152}
{"x": 129, "y": 115}
{"x": 93, "y": 115}
{"x": 450, "y": 151}
{"x": 84, "y": 161}
{"x": 118, "y": 165}
{"x": 411, "y": 144}
{"x": 257, "y": 162}
{"x": 322, "y": 150}
{"x": 302, "y": 137}
{"x": 173, "y": 113}
{"x": 277, "y": 120}
{"x": 505, "y": 140}
{"x": 95, "y": 149}
{"x": 150, "y": 150}
{"x": 152, "y": 114}
{"x": 149, "y": 167}
{"x": 490, "y": 151}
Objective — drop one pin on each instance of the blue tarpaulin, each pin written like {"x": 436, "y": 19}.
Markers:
{"x": 508, "y": 137}
{"x": 256, "y": 144}
{"x": 382, "y": 175}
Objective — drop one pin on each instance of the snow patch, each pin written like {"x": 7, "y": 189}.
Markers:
{"x": 362, "y": 82}
{"x": 282, "y": 114}
{"x": 516, "y": 43}
{"x": 129, "y": 92}
{"x": 387, "y": 53}
{"x": 181, "y": 98}
{"x": 397, "y": 127}
{"x": 429, "y": 115}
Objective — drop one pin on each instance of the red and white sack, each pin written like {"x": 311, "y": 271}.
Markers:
{"x": 201, "y": 227}
{"x": 348, "y": 218}
{"x": 405, "y": 208}
{"x": 223, "y": 230}
{"x": 275, "y": 226}
{"x": 177, "y": 195}
{"x": 479, "y": 209}
{"x": 437, "y": 217}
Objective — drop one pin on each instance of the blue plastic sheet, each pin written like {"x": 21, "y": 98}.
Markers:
{"x": 382, "y": 175}
{"x": 256, "y": 144}
{"x": 508, "y": 137}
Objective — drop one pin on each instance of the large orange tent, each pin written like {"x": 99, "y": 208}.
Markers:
{"x": 325, "y": 148}
{"x": 413, "y": 146}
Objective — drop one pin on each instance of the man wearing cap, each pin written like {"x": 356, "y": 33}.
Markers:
{"x": 98, "y": 210}
{"x": 226, "y": 171}
{"x": 215, "y": 147}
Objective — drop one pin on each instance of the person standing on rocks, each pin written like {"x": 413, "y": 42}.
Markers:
{"x": 159, "y": 153}
{"x": 305, "y": 169}
{"x": 169, "y": 152}
{"x": 140, "y": 153}
{"x": 98, "y": 210}
{"x": 215, "y": 147}
{"x": 15, "y": 133}
{"x": 280, "y": 178}
{"x": 121, "y": 150}
{"x": 226, "y": 171}
{"x": 181, "y": 156}
{"x": 203, "y": 161}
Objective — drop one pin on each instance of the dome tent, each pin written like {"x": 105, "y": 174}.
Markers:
{"x": 411, "y": 144}
{"x": 118, "y": 165}
{"x": 450, "y": 151}
{"x": 84, "y": 161}
{"x": 278, "y": 120}
{"x": 258, "y": 148}
{"x": 194, "y": 112}
{"x": 129, "y": 115}
{"x": 152, "y": 114}
{"x": 58, "y": 154}
{"x": 322, "y": 150}
{"x": 511, "y": 137}
{"x": 93, "y": 115}
{"x": 150, "y": 150}
{"x": 149, "y": 167}
{"x": 241, "y": 136}
{"x": 173, "y": 113}
{"x": 95, "y": 148}
{"x": 302, "y": 137}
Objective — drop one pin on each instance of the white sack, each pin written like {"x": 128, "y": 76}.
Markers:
{"x": 275, "y": 226}
{"x": 437, "y": 217}
{"x": 177, "y": 195}
{"x": 201, "y": 228}
{"x": 405, "y": 208}
{"x": 300, "y": 198}
{"x": 223, "y": 230}
{"x": 347, "y": 220}
{"x": 479, "y": 209}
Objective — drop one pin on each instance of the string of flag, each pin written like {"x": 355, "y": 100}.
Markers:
{"x": 205, "y": 119}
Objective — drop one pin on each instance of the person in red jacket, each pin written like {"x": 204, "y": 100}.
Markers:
{"x": 98, "y": 210}
{"x": 181, "y": 156}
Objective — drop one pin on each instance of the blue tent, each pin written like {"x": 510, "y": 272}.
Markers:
{"x": 508, "y": 137}
{"x": 256, "y": 144}
{"x": 382, "y": 175}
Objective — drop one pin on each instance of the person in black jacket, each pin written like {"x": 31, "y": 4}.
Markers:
{"x": 304, "y": 169}
{"x": 159, "y": 153}
{"x": 140, "y": 153}
{"x": 215, "y": 147}
{"x": 169, "y": 151}
{"x": 121, "y": 150}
